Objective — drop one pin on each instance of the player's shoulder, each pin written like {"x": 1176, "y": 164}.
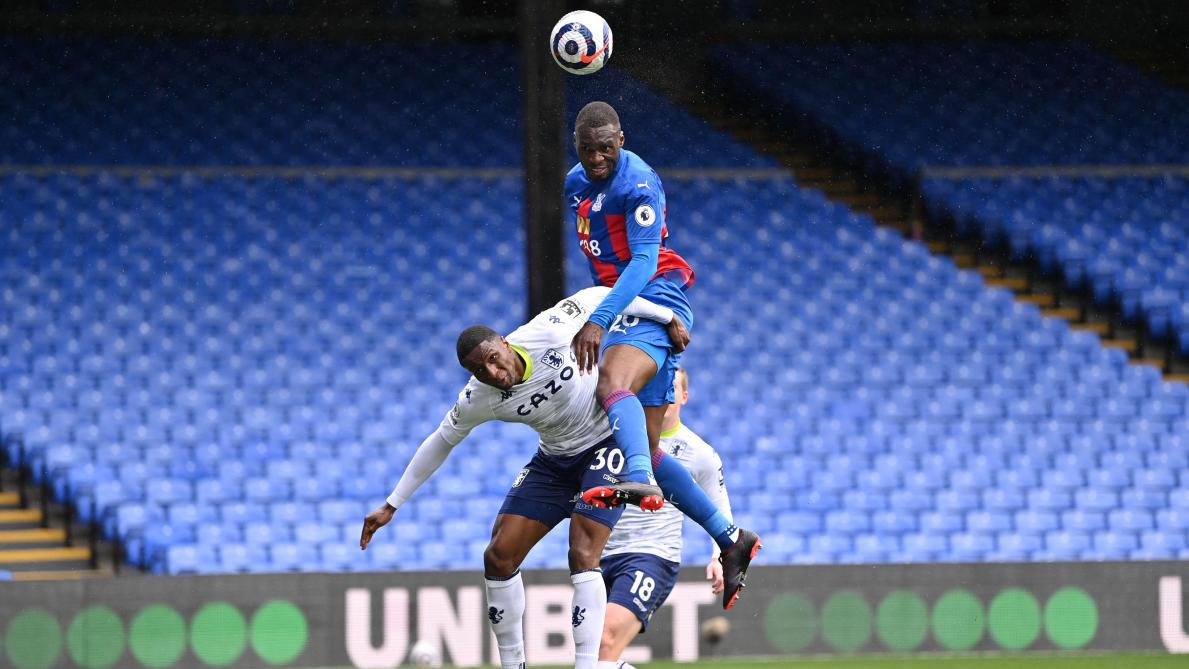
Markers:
{"x": 576, "y": 179}
{"x": 696, "y": 445}
{"x": 637, "y": 172}
{"x": 473, "y": 401}
{"x": 473, "y": 393}
{"x": 581, "y": 303}
{"x": 544, "y": 330}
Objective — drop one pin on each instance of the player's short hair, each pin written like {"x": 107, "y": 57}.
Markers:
{"x": 471, "y": 337}
{"x": 683, "y": 378}
{"x": 596, "y": 115}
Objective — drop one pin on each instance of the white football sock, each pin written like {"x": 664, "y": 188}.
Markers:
{"x": 505, "y": 614}
{"x": 590, "y": 607}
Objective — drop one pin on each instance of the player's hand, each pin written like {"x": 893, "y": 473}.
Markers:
{"x": 678, "y": 335}
{"x": 714, "y": 575}
{"x": 374, "y": 521}
{"x": 586, "y": 347}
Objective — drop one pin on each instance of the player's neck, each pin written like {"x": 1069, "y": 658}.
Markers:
{"x": 671, "y": 424}
{"x": 522, "y": 365}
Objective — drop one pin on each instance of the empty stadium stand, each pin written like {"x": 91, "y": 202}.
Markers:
{"x": 226, "y": 371}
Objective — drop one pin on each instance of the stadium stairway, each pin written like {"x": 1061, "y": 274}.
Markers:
{"x": 816, "y": 166}
{"x": 35, "y": 545}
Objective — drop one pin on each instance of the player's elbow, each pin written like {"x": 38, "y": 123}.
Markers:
{"x": 646, "y": 259}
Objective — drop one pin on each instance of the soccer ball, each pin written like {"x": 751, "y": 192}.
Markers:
{"x": 425, "y": 655}
{"x": 581, "y": 42}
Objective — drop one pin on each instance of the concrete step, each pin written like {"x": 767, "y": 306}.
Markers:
{"x": 1068, "y": 313}
{"x": 61, "y": 574}
{"x": 1129, "y": 345}
{"x": 1039, "y": 299}
{"x": 18, "y": 519}
{"x": 1014, "y": 283}
{"x": 38, "y": 537}
{"x": 1100, "y": 329}
{"x": 40, "y": 559}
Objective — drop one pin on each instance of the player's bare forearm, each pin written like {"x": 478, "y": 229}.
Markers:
{"x": 374, "y": 521}
{"x": 586, "y": 346}
{"x": 678, "y": 334}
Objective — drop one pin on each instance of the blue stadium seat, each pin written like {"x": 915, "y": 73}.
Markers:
{"x": 298, "y": 556}
{"x": 188, "y": 558}
{"x": 923, "y": 547}
{"x": 241, "y": 557}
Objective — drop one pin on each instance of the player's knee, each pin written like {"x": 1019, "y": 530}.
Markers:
{"x": 583, "y": 558}
{"x": 604, "y": 388}
{"x": 498, "y": 561}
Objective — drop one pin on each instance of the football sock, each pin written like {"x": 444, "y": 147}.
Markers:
{"x": 590, "y": 608}
{"x": 630, "y": 430}
{"x": 505, "y": 613}
{"x": 689, "y": 498}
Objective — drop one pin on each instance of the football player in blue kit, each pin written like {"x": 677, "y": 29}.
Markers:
{"x": 617, "y": 205}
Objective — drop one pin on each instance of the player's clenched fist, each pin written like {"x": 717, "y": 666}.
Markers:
{"x": 586, "y": 346}
{"x": 374, "y": 521}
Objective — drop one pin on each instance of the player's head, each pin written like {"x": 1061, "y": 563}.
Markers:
{"x": 597, "y": 139}
{"x": 487, "y": 355}
{"x": 680, "y": 394}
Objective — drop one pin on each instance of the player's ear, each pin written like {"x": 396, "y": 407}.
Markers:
{"x": 621, "y": 138}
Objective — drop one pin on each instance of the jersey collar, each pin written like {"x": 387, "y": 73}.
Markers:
{"x": 528, "y": 362}
{"x": 669, "y": 433}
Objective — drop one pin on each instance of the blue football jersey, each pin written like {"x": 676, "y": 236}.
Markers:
{"x": 615, "y": 215}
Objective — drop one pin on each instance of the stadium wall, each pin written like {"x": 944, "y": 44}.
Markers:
{"x": 371, "y": 620}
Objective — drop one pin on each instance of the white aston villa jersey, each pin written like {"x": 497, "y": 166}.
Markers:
{"x": 554, "y": 399}
{"x": 659, "y": 533}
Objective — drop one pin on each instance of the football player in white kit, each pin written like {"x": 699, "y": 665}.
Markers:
{"x": 531, "y": 377}
{"x": 643, "y": 554}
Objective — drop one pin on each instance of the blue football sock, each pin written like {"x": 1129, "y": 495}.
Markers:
{"x": 631, "y": 433}
{"x": 689, "y": 498}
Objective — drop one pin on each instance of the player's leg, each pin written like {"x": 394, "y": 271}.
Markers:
{"x": 512, "y": 537}
{"x": 587, "y": 539}
{"x": 537, "y": 501}
{"x": 623, "y": 371}
{"x": 590, "y": 526}
{"x": 620, "y": 628}
{"x": 738, "y": 546}
{"x": 637, "y": 585}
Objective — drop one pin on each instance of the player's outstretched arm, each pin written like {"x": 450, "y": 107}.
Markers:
{"x": 429, "y": 457}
